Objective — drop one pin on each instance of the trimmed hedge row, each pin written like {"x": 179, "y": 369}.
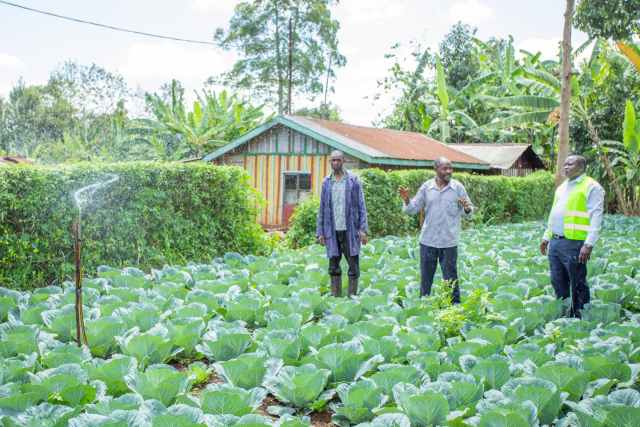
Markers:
{"x": 155, "y": 214}
{"x": 497, "y": 199}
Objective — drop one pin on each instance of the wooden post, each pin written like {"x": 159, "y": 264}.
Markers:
{"x": 81, "y": 335}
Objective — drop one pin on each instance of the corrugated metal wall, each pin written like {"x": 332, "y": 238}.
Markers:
{"x": 270, "y": 155}
{"x": 267, "y": 173}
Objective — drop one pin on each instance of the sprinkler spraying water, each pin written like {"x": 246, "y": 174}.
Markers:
{"x": 82, "y": 197}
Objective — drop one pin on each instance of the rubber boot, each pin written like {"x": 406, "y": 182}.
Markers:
{"x": 353, "y": 286}
{"x": 336, "y": 286}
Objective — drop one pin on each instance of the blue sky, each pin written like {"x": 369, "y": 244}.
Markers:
{"x": 31, "y": 45}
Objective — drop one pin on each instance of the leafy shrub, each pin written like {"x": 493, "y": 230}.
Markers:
{"x": 155, "y": 214}
{"x": 302, "y": 231}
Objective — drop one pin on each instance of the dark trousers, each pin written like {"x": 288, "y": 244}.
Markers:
{"x": 343, "y": 249}
{"x": 448, "y": 259}
{"x": 568, "y": 276}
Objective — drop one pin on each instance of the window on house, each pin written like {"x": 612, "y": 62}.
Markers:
{"x": 297, "y": 187}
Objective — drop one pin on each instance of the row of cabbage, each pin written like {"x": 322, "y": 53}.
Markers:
{"x": 243, "y": 328}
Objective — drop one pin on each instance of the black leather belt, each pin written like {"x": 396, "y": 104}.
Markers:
{"x": 557, "y": 236}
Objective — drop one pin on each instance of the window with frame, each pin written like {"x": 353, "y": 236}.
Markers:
{"x": 297, "y": 187}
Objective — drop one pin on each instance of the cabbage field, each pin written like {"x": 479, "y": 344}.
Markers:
{"x": 252, "y": 341}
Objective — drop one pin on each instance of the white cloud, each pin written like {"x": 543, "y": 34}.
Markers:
{"x": 149, "y": 65}
{"x": 369, "y": 12}
{"x": 472, "y": 12}
{"x": 10, "y": 69}
{"x": 213, "y": 7}
{"x": 10, "y": 62}
{"x": 5, "y": 88}
{"x": 549, "y": 47}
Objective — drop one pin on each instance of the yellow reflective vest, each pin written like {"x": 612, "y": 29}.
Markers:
{"x": 576, "y": 216}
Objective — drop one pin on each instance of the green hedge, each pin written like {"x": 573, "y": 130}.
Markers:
{"x": 497, "y": 199}
{"x": 155, "y": 214}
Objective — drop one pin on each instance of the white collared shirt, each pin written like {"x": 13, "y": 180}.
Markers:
{"x": 595, "y": 209}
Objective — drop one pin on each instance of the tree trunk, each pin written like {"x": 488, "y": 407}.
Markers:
{"x": 279, "y": 62}
{"x": 290, "y": 77}
{"x": 326, "y": 84}
{"x": 565, "y": 95}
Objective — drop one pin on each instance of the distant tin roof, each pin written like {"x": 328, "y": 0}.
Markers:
{"x": 499, "y": 156}
{"x": 372, "y": 145}
{"x": 13, "y": 160}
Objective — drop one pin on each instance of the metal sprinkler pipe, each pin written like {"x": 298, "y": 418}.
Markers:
{"x": 81, "y": 335}
{"x": 81, "y": 197}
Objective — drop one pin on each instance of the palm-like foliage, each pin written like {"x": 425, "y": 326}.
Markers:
{"x": 215, "y": 120}
{"x": 449, "y": 110}
{"x": 624, "y": 169}
{"x": 632, "y": 51}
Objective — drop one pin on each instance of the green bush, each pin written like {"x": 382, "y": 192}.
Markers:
{"x": 497, "y": 199}
{"x": 155, "y": 214}
{"x": 302, "y": 231}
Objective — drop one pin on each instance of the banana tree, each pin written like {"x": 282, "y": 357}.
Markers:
{"x": 443, "y": 107}
{"x": 631, "y": 50}
{"x": 215, "y": 120}
{"x": 624, "y": 169}
{"x": 500, "y": 67}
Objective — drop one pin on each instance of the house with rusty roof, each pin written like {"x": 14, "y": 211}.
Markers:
{"x": 288, "y": 157}
{"x": 14, "y": 160}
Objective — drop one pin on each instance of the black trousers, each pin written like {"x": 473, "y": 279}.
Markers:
{"x": 343, "y": 249}
{"x": 568, "y": 276}
{"x": 448, "y": 259}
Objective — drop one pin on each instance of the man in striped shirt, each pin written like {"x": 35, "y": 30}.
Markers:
{"x": 445, "y": 202}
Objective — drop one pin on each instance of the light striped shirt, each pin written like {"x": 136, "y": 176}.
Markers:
{"x": 442, "y": 212}
{"x": 339, "y": 200}
{"x": 595, "y": 210}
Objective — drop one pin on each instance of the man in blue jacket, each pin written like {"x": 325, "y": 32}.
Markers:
{"x": 342, "y": 223}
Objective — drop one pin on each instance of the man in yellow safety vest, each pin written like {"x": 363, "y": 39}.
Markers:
{"x": 573, "y": 228}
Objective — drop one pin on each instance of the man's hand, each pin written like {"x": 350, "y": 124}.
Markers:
{"x": 363, "y": 237}
{"x": 543, "y": 247}
{"x": 404, "y": 194}
{"x": 465, "y": 204}
{"x": 322, "y": 240}
{"x": 585, "y": 254}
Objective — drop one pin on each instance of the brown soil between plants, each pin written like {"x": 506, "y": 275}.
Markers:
{"x": 318, "y": 419}
{"x": 321, "y": 419}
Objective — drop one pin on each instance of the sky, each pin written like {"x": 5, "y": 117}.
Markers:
{"x": 32, "y": 45}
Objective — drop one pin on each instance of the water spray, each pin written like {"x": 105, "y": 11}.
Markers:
{"x": 81, "y": 198}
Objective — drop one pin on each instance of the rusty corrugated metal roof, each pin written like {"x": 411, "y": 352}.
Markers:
{"x": 373, "y": 145}
{"x": 389, "y": 143}
{"x": 13, "y": 160}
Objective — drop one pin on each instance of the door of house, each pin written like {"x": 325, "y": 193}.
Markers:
{"x": 297, "y": 187}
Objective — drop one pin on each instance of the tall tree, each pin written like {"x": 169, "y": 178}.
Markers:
{"x": 323, "y": 111}
{"x": 287, "y": 48}
{"x": 565, "y": 92}
{"x": 618, "y": 20}
{"x": 610, "y": 19}
{"x": 33, "y": 115}
{"x": 91, "y": 89}
{"x": 409, "y": 111}
{"x": 458, "y": 55}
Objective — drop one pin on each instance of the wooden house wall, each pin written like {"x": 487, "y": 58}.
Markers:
{"x": 279, "y": 150}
